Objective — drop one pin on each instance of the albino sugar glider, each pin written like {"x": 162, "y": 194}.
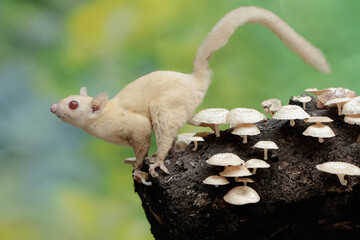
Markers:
{"x": 164, "y": 101}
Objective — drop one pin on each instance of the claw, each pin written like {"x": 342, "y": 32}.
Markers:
{"x": 141, "y": 177}
{"x": 152, "y": 168}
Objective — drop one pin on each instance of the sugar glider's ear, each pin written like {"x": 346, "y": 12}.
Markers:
{"x": 83, "y": 91}
{"x": 99, "y": 102}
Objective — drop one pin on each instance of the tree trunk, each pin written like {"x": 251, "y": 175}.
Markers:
{"x": 297, "y": 200}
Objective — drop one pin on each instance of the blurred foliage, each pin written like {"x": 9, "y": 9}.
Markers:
{"x": 56, "y": 182}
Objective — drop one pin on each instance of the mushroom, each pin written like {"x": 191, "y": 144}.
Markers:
{"x": 291, "y": 112}
{"x": 243, "y": 180}
{"x": 225, "y": 159}
{"x": 246, "y": 129}
{"x": 216, "y": 180}
{"x": 352, "y": 119}
{"x": 131, "y": 161}
{"x": 243, "y": 119}
{"x": 211, "y": 117}
{"x": 242, "y": 195}
{"x": 320, "y": 131}
{"x": 235, "y": 171}
{"x": 199, "y": 137}
{"x": 271, "y": 105}
{"x": 266, "y": 145}
{"x": 303, "y": 100}
{"x": 255, "y": 164}
{"x": 182, "y": 141}
{"x": 339, "y": 103}
{"x": 316, "y": 91}
{"x": 340, "y": 169}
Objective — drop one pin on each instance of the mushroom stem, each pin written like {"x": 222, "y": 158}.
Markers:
{"x": 265, "y": 154}
{"x": 292, "y": 122}
{"x": 321, "y": 140}
{"x": 195, "y": 146}
{"x": 339, "y": 108}
{"x": 217, "y": 131}
{"x": 245, "y": 139}
{"x": 358, "y": 139}
{"x": 304, "y": 105}
{"x": 253, "y": 171}
{"x": 341, "y": 178}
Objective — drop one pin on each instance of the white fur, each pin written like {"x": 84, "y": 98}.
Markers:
{"x": 164, "y": 101}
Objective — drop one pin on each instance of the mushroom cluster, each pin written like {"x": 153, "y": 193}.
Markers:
{"x": 237, "y": 168}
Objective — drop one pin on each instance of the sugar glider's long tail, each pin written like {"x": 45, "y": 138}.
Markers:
{"x": 223, "y": 30}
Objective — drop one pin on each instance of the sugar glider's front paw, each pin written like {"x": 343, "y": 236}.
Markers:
{"x": 153, "y": 166}
{"x": 141, "y": 177}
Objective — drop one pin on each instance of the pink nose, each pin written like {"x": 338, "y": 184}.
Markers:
{"x": 53, "y": 108}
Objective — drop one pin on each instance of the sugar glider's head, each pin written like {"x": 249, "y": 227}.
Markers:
{"x": 79, "y": 109}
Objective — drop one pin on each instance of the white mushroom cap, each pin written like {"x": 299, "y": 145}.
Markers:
{"x": 255, "y": 164}
{"x": 235, "y": 171}
{"x": 266, "y": 145}
{"x": 272, "y": 105}
{"x": 244, "y": 115}
{"x": 225, "y": 159}
{"x": 352, "y": 107}
{"x": 321, "y": 119}
{"x": 339, "y": 168}
{"x": 315, "y": 91}
{"x": 352, "y": 119}
{"x": 216, "y": 180}
{"x": 212, "y": 116}
{"x": 291, "y": 112}
{"x": 320, "y": 131}
{"x": 246, "y": 129}
{"x": 242, "y": 195}
{"x": 303, "y": 100}
{"x": 184, "y": 137}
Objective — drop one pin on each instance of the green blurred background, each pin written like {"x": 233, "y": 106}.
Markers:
{"x": 57, "y": 182}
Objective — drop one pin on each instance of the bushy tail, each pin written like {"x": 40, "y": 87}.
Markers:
{"x": 223, "y": 30}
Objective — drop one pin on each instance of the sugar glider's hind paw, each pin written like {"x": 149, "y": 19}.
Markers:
{"x": 141, "y": 177}
{"x": 153, "y": 166}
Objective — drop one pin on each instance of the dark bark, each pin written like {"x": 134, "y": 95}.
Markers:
{"x": 297, "y": 200}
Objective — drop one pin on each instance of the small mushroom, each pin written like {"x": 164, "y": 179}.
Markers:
{"x": 235, "y": 171}
{"x": 291, "y": 112}
{"x": 320, "y": 131}
{"x": 340, "y": 169}
{"x": 255, "y": 164}
{"x": 339, "y": 103}
{"x": 316, "y": 91}
{"x": 266, "y": 145}
{"x": 216, "y": 180}
{"x": 211, "y": 117}
{"x": 131, "y": 161}
{"x": 246, "y": 129}
{"x": 303, "y": 100}
{"x": 243, "y": 119}
{"x": 225, "y": 159}
{"x": 271, "y": 105}
{"x": 242, "y": 195}
{"x": 243, "y": 180}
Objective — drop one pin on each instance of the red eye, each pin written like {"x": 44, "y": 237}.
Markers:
{"x": 73, "y": 105}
